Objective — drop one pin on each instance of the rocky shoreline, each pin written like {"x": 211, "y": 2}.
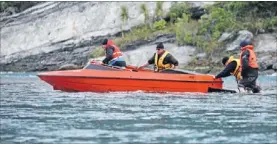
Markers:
{"x": 60, "y": 43}
{"x": 75, "y": 56}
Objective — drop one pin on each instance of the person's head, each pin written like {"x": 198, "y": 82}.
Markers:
{"x": 224, "y": 60}
{"x": 244, "y": 43}
{"x": 104, "y": 43}
{"x": 160, "y": 48}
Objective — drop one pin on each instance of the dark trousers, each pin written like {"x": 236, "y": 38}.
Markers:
{"x": 249, "y": 81}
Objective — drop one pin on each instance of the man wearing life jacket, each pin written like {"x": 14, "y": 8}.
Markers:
{"x": 162, "y": 59}
{"x": 114, "y": 56}
{"x": 232, "y": 67}
{"x": 249, "y": 67}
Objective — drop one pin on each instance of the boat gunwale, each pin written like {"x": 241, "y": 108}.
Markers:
{"x": 113, "y": 78}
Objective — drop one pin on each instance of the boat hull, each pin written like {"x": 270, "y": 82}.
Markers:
{"x": 114, "y": 81}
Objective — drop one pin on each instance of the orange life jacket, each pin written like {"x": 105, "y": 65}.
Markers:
{"x": 252, "y": 56}
{"x": 116, "y": 53}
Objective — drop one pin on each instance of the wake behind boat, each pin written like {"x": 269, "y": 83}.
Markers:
{"x": 100, "y": 78}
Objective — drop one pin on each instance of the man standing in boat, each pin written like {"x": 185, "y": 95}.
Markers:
{"x": 232, "y": 67}
{"x": 162, "y": 59}
{"x": 249, "y": 67}
{"x": 114, "y": 57}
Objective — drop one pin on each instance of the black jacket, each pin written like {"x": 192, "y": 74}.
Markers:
{"x": 169, "y": 59}
{"x": 247, "y": 71}
{"x": 109, "y": 54}
{"x": 227, "y": 70}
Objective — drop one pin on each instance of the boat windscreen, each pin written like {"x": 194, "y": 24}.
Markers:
{"x": 99, "y": 67}
{"x": 178, "y": 71}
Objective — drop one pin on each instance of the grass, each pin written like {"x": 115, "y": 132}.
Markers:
{"x": 141, "y": 32}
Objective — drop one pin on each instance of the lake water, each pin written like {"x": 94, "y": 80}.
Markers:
{"x": 31, "y": 112}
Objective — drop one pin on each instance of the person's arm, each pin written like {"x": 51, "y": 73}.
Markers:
{"x": 245, "y": 61}
{"x": 109, "y": 55}
{"x": 150, "y": 61}
{"x": 173, "y": 60}
{"x": 227, "y": 70}
{"x": 144, "y": 65}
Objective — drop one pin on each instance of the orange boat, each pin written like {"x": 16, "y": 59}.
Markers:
{"x": 101, "y": 78}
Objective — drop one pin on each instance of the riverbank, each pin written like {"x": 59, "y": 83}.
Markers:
{"x": 70, "y": 34}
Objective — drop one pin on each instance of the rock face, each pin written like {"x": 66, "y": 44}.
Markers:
{"x": 226, "y": 36}
{"x": 266, "y": 42}
{"x": 69, "y": 67}
{"x": 274, "y": 67}
{"x": 68, "y": 53}
{"x": 78, "y": 54}
{"x": 141, "y": 53}
{"x": 262, "y": 42}
{"x": 48, "y": 26}
{"x": 165, "y": 38}
{"x": 241, "y": 35}
{"x": 54, "y": 34}
{"x": 265, "y": 61}
{"x": 144, "y": 53}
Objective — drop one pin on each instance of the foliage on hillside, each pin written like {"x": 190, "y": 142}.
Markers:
{"x": 226, "y": 17}
{"x": 205, "y": 32}
{"x": 17, "y": 6}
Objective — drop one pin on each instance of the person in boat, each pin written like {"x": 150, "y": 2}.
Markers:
{"x": 114, "y": 57}
{"x": 162, "y": 59}
{"x": 232, "y": 67}
{"x": 249, "y": 67}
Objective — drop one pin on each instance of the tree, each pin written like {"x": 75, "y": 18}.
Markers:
{"x": 177, "y": 10}
{"x": 159, "y": 10}
{"x": 145, "y": 12}
{"x": 124, "y": 17}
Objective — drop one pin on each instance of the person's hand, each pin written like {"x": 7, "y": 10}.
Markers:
{"x": 93, "y": 61}
{"x": 139, "y": 67}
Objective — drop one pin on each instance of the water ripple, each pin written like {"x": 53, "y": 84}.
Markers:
{"x": 31, "y": 112}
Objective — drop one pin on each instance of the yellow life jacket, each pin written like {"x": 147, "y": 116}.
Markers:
{"x": 159, "y": 62}
{"x": 236, "y": 72}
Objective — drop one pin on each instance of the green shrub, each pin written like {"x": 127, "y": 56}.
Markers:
{"x": 251, "y": 15}
{"x": 159, "y": 12}
{"x": 160, "y": 25}
{"x": 144, "y": 10}
{"x": 177, "y": 10}
{"x": 271, "y": 23}
{"x": 124, "y": 16}
{"x": 97, "y": 52}
{"x": 188, "y": 38}
{"x": 19, "y": 5}
{"x": 274, "y": 21}
{"x": 204, "y": 33}
{"x": 255, "y": 9}
{"x": 182, "y": 30}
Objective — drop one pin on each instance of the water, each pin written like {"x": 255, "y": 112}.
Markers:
{"x": 31, "y": 112}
